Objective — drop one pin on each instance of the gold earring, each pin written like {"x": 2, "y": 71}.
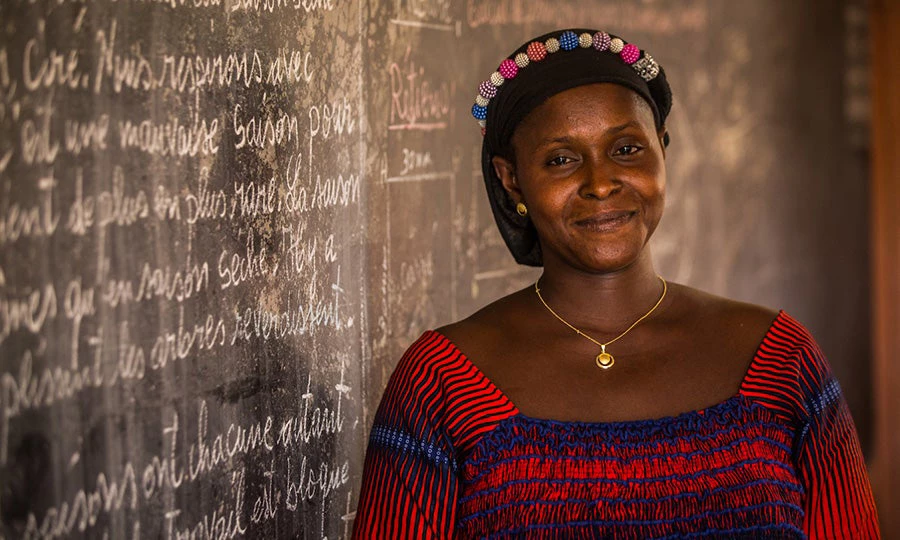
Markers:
{"x": 521, "y": 209}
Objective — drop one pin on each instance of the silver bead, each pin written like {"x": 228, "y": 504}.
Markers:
{"x": 616, "y": 45}
{"x": 585, "y": 40}
{"x": 522, "y": 60}
{"x": 646, "y": 67}
{"x": 552, "y": 45}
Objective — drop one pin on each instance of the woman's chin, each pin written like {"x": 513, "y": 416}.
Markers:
{"x": 615, "y": 253}
{"x": 604, "y": 262}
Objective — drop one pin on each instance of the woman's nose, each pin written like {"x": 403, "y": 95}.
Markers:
{"x": 599, "y": 180}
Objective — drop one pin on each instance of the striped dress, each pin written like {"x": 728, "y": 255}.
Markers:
{"x": 450, "y": 456}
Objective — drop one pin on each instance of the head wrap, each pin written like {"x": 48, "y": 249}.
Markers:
{"x": 539, "y": 69}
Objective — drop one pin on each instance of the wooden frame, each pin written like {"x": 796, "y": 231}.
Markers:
{"x": 885, "y": 238}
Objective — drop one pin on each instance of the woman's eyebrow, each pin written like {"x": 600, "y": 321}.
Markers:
{"x": 626, "y": 125}
{"x": 551, "y": 140}
{"x": 609, "y": 131}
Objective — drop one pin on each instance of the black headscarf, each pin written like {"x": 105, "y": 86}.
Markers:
{"x": 534, "y": 84}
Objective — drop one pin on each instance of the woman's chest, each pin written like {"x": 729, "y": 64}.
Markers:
{"x": 549, "y": 378}
{"x": 725, "y": 471}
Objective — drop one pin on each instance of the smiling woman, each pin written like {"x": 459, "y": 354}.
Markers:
{"x": 588, "y": 166}
{"x": 709, "y": 417}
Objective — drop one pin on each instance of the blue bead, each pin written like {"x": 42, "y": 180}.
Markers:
{"x": 479, "y": 112}
{"x": 568, "y": 40}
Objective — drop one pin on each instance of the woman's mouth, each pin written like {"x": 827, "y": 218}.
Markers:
{"x": 606, "y": 221}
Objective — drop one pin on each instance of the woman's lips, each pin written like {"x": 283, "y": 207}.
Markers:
{"x": 606, "y": 221}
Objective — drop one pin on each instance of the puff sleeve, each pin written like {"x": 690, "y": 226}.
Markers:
{"x": 409, "y": 485}
{"x": 832, "y": 470}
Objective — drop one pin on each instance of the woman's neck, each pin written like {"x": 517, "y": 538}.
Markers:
{"x": 604, "y": 303}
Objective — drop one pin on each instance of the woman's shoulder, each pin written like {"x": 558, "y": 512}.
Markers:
{"x": 788, "y": 371}
{"x": 493, "y": 322}
{"x": 437, "y": 363}
{"x": 771, "y": 333}
{"x": 436, "y": 392}
{"x": 777, "y": 333}
{"x": 692, "y": 304}
{"x": 431, "y": 353}
{"x": 441, "y": 356}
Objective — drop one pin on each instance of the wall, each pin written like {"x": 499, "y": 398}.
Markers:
{"x": 222, "y": 221}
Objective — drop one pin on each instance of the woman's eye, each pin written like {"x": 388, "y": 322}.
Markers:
{"x": 559, "y": 161}
{"x": 627, "y": 150}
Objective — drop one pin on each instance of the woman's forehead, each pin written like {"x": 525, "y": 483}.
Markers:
{"x": 594, "y": 106}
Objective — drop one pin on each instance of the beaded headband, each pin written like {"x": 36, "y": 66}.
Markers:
{"x": 644, "y": 64}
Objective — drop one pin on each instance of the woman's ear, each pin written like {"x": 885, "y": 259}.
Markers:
{"x": 663, "y": 135}
{"x": 506, "y": 172}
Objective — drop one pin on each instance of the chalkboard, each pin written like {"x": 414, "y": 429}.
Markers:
{"x": 222, "y": 221}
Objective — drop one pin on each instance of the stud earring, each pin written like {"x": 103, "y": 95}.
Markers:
{"x": 521, "y": 209}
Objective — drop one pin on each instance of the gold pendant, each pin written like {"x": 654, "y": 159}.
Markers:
{"x": 604, "y": 359}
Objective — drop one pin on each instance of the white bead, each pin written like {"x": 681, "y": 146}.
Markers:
{"x": 616, "y": 45}
{"x": 522, "y": 60}
{"x": 482, "y": 123}
{"x": 585, "y": 40}
{"x": 496, "y": 78}
{"x": 552, "y": 45}
{"x": 481, "y": 101}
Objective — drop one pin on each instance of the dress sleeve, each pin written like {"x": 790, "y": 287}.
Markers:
{"x": 409, "y": 483}
{"x": 839, "y": 501}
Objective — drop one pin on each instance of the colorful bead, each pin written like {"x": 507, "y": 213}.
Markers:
{"x": 568, "y": 40}
{"x": 552, "y": 45}
{"x": 585, "y": 40}
{"x": 521, "y": 60}
{"x": 508, "y": 69}
{"x": 630, "y": 53}
{"x": 536, "y": 51}
{"x": 601, "y": 41}
{"x": 616, "y": 45}
{"x": 483, "y": 131}
{"x": 646, "y": 67}
{"x": 487, "y": 89}
{"x": 643, "y": 64}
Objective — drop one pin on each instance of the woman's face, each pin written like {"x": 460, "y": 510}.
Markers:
{"x": 589, "y": 165}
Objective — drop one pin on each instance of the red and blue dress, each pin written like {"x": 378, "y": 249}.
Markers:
{"x": 451, "y": 456}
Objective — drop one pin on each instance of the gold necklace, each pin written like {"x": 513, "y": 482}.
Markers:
{"x": 604, "y": 359}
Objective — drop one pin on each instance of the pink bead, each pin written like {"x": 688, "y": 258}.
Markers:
{"x": 601, "y": 41}
{"x": 487, "y": 89}
{"x": 536, "y": 51}
{"x": 508, "y": 68}
{"x": 630, "y": 54}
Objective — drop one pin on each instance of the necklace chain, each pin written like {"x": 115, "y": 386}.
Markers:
{"x": 604, "y": 359}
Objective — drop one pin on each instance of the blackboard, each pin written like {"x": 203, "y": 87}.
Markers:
{"x": 222, "y": 221}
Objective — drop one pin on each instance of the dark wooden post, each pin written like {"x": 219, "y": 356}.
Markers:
{"x": 885, "y": 212}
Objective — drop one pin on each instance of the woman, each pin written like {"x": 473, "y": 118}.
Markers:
{"x": 604, "y": 401}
